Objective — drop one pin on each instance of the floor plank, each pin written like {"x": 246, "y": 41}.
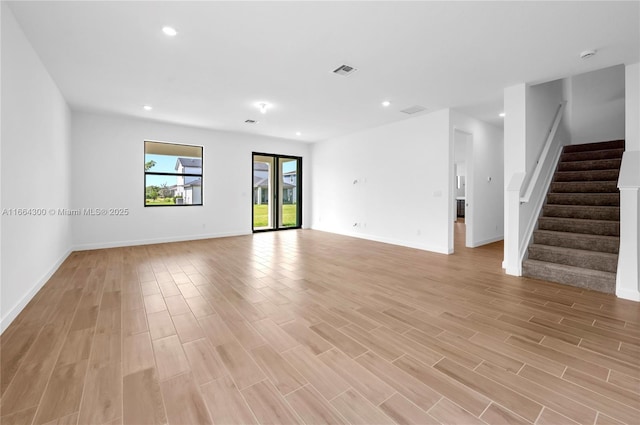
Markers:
{"x": 240, "y": 365}
{"x": 357, "y": 410}
{"x": 402, "y": 411}
{"x": 102, "y": 400}
{"x": 327, "y": 381}
{"x": 312, "y": 408}
{"x": 226, "y": 404}
{"x": 204, "y": 360}
{"x": 280, "y": 372}
{"x": 183, "y": 401}
{"x": 268, "y": 405}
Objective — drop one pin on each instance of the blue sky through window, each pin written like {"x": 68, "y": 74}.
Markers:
{"x": 167, "y": 164}
{"x": 164, "y": 164}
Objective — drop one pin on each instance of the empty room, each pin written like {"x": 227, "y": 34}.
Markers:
{"x": 319, "y": 212}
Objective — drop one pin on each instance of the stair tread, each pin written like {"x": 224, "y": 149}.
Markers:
{"x": 586, "y": 175}
{"x": 577, "y": 235}
{"x": 592, "y": 155}
{"x": 596, "y": 146}
{"x": 595, "y": 160}
{"x": 592, "y": 161}
{"x": 573, "y": 251}
{"x": 583, "y": 198}
{"x": 583, "y": 193}
{"x": 591, "y": 182}
{"x": 572, "y": 269}
{"x": 581, "y": 220}
{"x": 598, "y": 207}
{"x": 584, "y": 186}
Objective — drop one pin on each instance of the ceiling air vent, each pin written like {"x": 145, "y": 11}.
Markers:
{"x": 251, "y": 122}
{"x": 344, "y": 70}
{"x": 414, "y": 109}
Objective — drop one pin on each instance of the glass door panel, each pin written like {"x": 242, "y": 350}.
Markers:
{"x": 288, "y": 179}
{"x": 263, "y": 192}
{"x": 277, "y": 195}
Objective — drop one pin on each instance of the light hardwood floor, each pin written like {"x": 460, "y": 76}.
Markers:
{"x": 310, "y": 327}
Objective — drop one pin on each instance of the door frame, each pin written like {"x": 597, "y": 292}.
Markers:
{"x": 276, "y": 191}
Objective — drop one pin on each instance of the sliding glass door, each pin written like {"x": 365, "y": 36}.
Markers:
{"x": 277, "y": 194}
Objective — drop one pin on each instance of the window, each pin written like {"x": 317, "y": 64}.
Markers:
{"x": 172, "y": 174}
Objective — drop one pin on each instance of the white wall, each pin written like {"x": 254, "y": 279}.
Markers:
{"x": 598, "y": 105}
{"x": 35, "y": 171}
{"x": 632, "y": 107}
{"x": 515, "y": 131}
{"x": 108, "y": 158}
{"x": 485, "y": 198}
{"x": 542, "y": 104}
{"x": 393, "y": 180}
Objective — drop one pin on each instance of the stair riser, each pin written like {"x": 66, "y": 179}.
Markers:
{"x": 574, "y": 241}
{"x": 603, "y": 228}
{"x": 592, "y": 155}
{"x": 597, "y": 146}
{"x": 605, "y": 164}
{"x": 587, "y": 260}
{"x": 586, "y": 176}
{"x": 597, "y": 199}
{"x": 601, "y": 284}
{"x": 584, "y": 187}
{"x": 582, "y": 212}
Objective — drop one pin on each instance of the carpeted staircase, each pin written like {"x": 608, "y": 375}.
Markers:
{"x": 578, "y": 234}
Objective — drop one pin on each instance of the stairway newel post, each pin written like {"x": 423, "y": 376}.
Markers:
{"x": 512, "y": 254}
{"x": 628, "y": 276}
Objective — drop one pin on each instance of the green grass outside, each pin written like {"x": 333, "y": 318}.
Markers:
{"x": 160, "y": 201}
{"x": 261, "y": 215}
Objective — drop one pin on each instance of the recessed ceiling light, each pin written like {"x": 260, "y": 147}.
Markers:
{"x": 501, "y": 114}
{"x": 147, "y": 107}
{"x": 386, "y": 103}
{"x": 170, "y": 31}
{"x": 263, "y": 106}
{"x": 298, "y": 133}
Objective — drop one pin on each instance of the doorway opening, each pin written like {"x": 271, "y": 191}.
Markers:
{"x": 462, "y": 189}
{"x": 277, "y": 192}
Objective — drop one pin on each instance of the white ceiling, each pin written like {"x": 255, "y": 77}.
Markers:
{"x": 113, "y": 57}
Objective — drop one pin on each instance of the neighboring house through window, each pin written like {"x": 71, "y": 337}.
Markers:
{"x": 173, "y": 174}
{"x": 261, "y": 184}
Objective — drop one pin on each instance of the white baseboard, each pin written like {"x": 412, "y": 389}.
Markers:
{"x": 20, "y": 305}
{"x": 487, "y": 241}
{"x": 391, "y": 241}
{"x": 119, "y": 244}
{"x": 628, "y": 294}
{"x": 516, "y": 271}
